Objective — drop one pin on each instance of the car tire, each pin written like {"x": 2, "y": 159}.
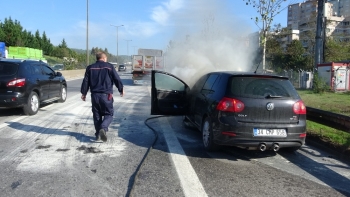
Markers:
{"x": 32, "y": 105}
{"x": 207, "y": 135}
{"x": 63, "y": 95}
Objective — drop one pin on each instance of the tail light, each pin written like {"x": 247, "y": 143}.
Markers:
{"x": 230, "y": 105}
{"x": 299, "y": 107}
{"x": 16, "y": 83}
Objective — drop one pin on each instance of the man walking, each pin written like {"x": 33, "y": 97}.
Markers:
{"x": 99, "y": 78}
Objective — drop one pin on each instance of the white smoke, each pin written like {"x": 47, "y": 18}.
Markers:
{"x": 208, "y": 38}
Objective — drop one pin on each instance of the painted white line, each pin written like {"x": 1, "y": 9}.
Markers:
{"x": 7, "y": 123}
{"x": 188, "y": 177}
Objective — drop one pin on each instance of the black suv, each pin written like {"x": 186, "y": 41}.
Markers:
{"x": 255, "y": 111}
{"x": 28, "y": 83}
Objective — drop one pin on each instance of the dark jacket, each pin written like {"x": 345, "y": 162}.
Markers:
{"x": 100, "y": 77}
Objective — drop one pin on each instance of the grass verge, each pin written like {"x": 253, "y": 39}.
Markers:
{"x": 329, "y": 101}
{"x": 330, "y": 137}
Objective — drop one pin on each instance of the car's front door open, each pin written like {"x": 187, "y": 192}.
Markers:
{"x": 169, "y": 94}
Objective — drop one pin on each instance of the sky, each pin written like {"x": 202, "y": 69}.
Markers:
{"x": 147, "y": 24}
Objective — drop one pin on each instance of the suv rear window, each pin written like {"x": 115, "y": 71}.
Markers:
{"x": 7, "y": 69}
{"x": 258, "y": 87}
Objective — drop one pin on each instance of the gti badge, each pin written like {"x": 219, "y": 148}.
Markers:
{"x": 270, "y": 106}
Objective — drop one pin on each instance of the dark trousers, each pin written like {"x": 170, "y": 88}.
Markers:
{"x": 102, "y": 110}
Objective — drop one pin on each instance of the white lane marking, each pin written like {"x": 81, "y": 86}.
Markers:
{"x": 188, "y": 177}
{"x": 11, "y": 121}
{"x": 48, "y": 107}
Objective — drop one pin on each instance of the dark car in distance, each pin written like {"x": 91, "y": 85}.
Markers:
{"x": 248, "y": 110}
{"x": 58, "y": 67}
{"x": 121, "y": 68}
{"x": 28, "y": 83}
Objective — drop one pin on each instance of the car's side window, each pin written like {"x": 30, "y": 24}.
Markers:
{"x": 166, "y": 82}
{"x": 199, "y": 84}
{"x": 25, "y": 70}
{"x": 8, "y": 68}
{"x": 37, "y": 69}
{"x": 210, "y": 82}
{"x": 47, "y": 70}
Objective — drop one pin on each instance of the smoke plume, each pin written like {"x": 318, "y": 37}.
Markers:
{"x": 208, "y": 38}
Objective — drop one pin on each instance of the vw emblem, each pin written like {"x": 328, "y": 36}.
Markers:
{"x": 270, "y": 106}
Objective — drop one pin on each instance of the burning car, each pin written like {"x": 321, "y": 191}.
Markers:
{"x": 249, "y": 110}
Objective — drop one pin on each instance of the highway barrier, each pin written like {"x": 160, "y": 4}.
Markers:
{"x": 337, "y": 121}
{"x": 73, "y": 74}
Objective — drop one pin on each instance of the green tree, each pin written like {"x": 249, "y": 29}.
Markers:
{"x": 296, "y": 56}
{"x": 30, "y": 39}
{"x": 336, "y": 50}
{"x": 38, "y": 41}
{"x": 12, "y": 31}
{"x": 94, "y": 50}
{"x": 267, "y": 10}
{"x": 2, "y": 33}
{"x": 46, "y": 45}
{"x": 63, "y": 44}
{"x": 274, "y": 53}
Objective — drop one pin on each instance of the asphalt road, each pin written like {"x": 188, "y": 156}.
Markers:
{"x": 54, "y": 154}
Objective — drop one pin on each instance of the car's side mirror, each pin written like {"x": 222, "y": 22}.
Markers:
{"x": 59, "y": 74}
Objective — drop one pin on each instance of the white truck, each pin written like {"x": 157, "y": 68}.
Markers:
{"x": 144, "y": 63}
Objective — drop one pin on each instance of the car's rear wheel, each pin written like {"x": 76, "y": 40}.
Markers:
{"x": 63, "y": 95}
{"x": 32, "y": 105}
{"x": 207, "y": 136}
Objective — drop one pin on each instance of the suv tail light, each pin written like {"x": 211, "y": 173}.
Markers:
{"x": 299, "y": 107}
{"x": 230, "y": 105}
{"x": 16, "y": 83}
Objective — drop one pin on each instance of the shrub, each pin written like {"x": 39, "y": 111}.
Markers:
{"x": 319, "y": 84}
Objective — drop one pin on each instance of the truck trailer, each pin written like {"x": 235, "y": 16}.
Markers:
{"x": 143, "y": 64}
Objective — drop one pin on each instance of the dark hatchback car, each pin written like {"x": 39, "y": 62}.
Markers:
{"x": 28, "y": 83}
{"x": 253, "y": 111}
{"x": 121, "y": 68}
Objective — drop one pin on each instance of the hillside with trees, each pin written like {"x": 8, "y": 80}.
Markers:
{"x": 13, "y": 34}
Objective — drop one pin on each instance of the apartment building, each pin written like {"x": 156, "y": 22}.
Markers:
{"x": 303, "y": 17}
{"x": 340, "y": 7}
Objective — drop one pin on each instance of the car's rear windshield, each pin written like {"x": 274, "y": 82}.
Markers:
{"x": 261, "y": 87}
{"x": 7, "y": 69}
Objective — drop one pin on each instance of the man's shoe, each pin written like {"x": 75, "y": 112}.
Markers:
{"x": 98, "y": 138}
{"x": 103, "y": 135}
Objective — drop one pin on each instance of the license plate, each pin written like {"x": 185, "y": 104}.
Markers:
{"x": 270, "y": 132}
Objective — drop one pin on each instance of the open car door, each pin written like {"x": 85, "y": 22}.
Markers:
{"x": 169, "y": 94}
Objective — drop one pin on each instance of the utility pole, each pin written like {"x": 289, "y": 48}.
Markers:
{"x": 134, "y": 49}
{"x": 87, "y": 32}
{"x": 127, "y": 43}
{"x": 319, "y": 33}
{"x": 117, "y": 37}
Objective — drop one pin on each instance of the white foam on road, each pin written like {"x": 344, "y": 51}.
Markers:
{"x": 188, "y": 178}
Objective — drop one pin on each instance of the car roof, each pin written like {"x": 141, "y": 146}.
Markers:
{"x": 248, "y": 74}
{"x": 17, "y": 60}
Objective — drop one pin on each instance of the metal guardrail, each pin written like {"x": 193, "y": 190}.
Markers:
{"x": 337, "y": 121}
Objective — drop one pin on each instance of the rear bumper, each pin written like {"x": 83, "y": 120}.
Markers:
{"x": 241, "y": 134}
{"x": 13, "y": 100}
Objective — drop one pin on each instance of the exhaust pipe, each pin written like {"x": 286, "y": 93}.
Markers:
{"x": 262, "y": 147}
{"x": 275, "y": 147}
